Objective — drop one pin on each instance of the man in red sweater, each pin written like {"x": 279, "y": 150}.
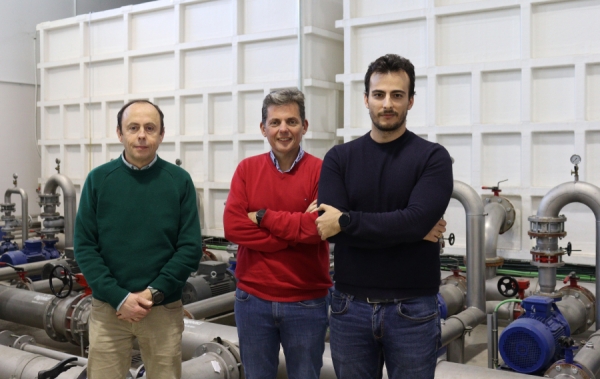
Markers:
{"x": 283, "y": 265}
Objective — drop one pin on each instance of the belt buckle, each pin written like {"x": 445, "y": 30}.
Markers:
{"x": 374, "y": 301}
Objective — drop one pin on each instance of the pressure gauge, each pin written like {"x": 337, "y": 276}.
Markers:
{"x": 575, "y": 159}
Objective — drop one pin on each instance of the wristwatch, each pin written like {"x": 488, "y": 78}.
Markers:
{"x": 259, "y": 216}
{"x": 344, "y": 220}
{"x": 157, "y": 296}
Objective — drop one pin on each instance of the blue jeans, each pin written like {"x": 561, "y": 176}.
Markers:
{"x": 404, "y": 334}
{"x": 263, "y": 325}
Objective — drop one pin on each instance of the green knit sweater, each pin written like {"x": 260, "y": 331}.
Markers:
{"x": 136, "y": 229}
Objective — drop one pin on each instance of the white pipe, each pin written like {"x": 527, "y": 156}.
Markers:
{"x": 24, "y": 209}
{"x": 17, "y": 364}
{"x": 69, "y": 194}
{"x": 475, "y": 236}
{"x": 495, "y": 218}
{"x": 572, "y": 192}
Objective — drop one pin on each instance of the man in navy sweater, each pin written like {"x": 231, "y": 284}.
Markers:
{"x": 382, "y": 197}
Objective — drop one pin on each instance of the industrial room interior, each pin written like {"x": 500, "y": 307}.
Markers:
{"x": 511, "y": 88}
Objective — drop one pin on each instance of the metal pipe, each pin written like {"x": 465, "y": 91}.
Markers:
{"x": 69, "y": 194}
{"x": 589, "y": 355}
{"x": 23, "y": 307}
{"x": 455, "y": 326}
{"x": 475, "y": 236}
{"x": 551, "y": 205}
{"x": 496, "y": 217}
{"x": 24, "y": 209}
{"x": 18, "y": 364}
{"x": 212, "y": 306}
{"x": 453, "y": 297}
{"x": 504, "y": 313}
{"x": 58, "y": 355}
{"x": 448, "y": 370}
{"x": 35, "y": 268}
{"x": 574, "y": 311}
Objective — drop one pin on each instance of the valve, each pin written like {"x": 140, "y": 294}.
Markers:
{"x": 508, "y": 286}
{"x": 451, "y": 238}
{"x": 572, "y": 278}
{"x": 569, "y": 249}
{"x": 496, "y": 189}
{"x": 568, "y": 344}
{"x": 64, "y": 275}
{"x": 523, "y": 284}
{"x": 55, "y": 371}
{"x": 19, "y": 270}
{"x": 57, "y": 168}
{"x": 178, "y": 162}
{"x": 15, "y": 176}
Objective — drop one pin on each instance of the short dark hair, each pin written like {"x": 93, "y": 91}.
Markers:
{"x": 120, "y": 114}
{"x": 391, "y": 63}
{"x": 283, "y": 97}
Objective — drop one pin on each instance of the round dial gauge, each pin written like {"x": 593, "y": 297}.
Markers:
{"x": 575, "y": 159}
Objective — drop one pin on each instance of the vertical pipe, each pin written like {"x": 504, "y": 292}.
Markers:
{"x": 496, "y": 216}
{"x": 597, "y": 272}
{"x": 24, "y": 209}
{"x": 68, "y": 190}
{"x": 489, "y": 341}
{"x": 494, "y": 340}
{"x": 475, "y": 236}
{"x": 456, "y": 350}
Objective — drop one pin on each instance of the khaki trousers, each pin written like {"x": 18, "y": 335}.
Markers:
{"x": 111, "y": 342}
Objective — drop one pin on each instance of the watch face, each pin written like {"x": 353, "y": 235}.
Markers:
{"x": 158, "y": 297}
{"x": 344, "y": 220}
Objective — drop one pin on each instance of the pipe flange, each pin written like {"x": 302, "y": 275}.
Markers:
{"x": 22, "y": 341}
{"x": 7, "y": 207}
{"x": 552, "y": 295}
{"x": 511, "y": 215}
{"x": 223, "y": 352}
{"x": 48, "y": 325}
{"x": 494, "y": 262}
{"x": 458, "y": 280}
{"x": 583, "y": 295}
{"x": 48, "y": 199}
{"x": 76, "y": 322}
{"x": 235, "y": 351}
{"x": 546, "y": 260}
{"x": 7, "y": 338}
{"x": 547, "y": 227}
{"x": 561, "y": 370}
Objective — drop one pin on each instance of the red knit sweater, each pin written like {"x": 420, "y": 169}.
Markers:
{"x": 284, "y": 259}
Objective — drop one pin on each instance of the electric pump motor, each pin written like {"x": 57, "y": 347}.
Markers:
{"x": 211, "y": 279}
{"x": 531, "y": 343}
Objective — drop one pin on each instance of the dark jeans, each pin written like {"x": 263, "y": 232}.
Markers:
{"x": 263, "y": 325}
{"x": 404, "y": 334}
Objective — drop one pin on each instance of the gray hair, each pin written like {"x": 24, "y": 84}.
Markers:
{"x": 283, "y": 97}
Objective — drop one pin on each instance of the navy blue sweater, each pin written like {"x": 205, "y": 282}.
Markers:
{"x": 395, "y": 193}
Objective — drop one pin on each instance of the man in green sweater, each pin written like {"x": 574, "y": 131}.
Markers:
{"x": 137, "y": 239}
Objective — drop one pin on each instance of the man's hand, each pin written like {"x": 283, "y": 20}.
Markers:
{"x": 252, "y": 217}
{"x": 436, "y": 232}
{"x": 312, "y": 207}
{"x": 328, "y": 223}
{"x": 135, "y": 307}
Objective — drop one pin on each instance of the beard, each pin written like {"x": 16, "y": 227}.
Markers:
{"x": 388, "y": 128}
